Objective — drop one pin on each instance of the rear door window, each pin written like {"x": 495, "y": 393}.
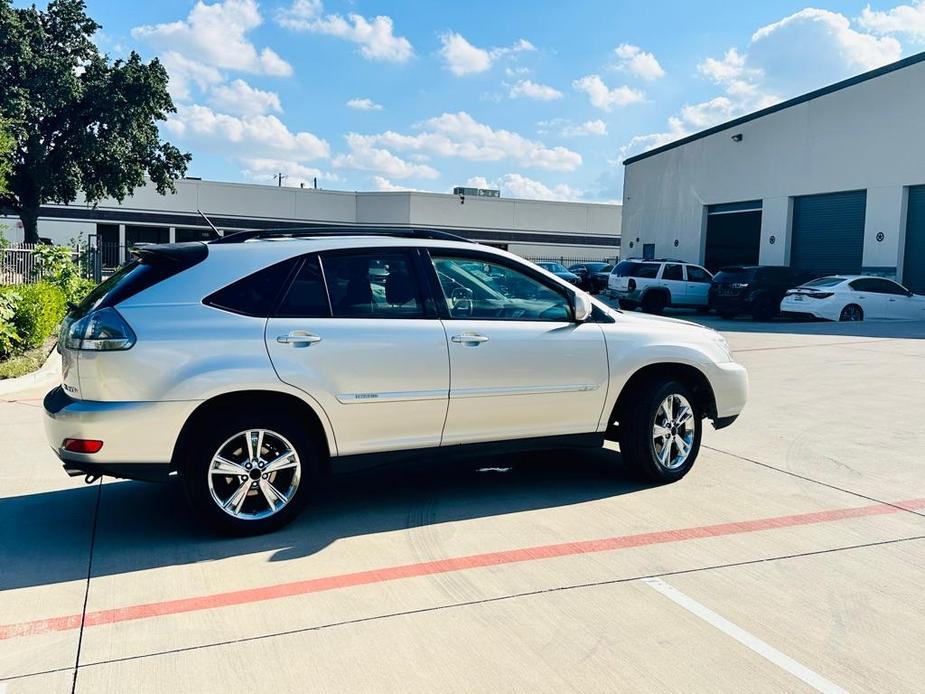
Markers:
{"x": 673, "y": 272}
{"x": 307, "y": 296}
{"x": 373, "y": 284}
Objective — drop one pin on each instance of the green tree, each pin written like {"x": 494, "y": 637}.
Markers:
{"x": 79, "y": 122}
{"x": 6, "y": 149}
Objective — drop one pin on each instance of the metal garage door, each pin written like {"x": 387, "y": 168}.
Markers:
{"x": 733, "y": 234}
{"x": 914, "y": 263}
{"x": 828, "y": 233}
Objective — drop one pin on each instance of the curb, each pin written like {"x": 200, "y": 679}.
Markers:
{"x": 48, "y": 372}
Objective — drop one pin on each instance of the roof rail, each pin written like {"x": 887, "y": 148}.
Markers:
{"x": 321, "y": 232}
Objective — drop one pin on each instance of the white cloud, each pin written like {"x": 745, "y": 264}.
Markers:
{"x": 184, "y": 73}
{"x": 603, "y": 97}
{"x": 590, "y": 127}
{"x": 238, "y": 97}
{"x": 365, "y": 156}
{"x": 375, "y": 37}
{"x": 364, "y": 105}
{"x": 801, "y": 52}
{"x": 908, "y": 20}
{"x": 254, "y": 136}
{"x": 384, "y": 185}
{"x": 296, "y": 174}
{"x": 460, "y": 135}
{"x": 215, "y": 35}
{"x": 462, "y": 58}
{"x": 533, "y": 90}
{"x": 516, "y": 185}
{"x": 638, "y": 62}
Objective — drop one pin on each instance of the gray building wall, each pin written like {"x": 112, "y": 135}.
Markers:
{"x": 865, "y": 136}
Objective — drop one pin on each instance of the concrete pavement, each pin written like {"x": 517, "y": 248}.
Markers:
{"x": 802, "y": 527}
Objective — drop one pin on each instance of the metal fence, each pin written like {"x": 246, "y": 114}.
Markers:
{"x": 570, "y": 261}
{"x": 18, "y": 263}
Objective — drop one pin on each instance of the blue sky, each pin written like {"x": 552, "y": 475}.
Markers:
{"x": 542, "y": 99}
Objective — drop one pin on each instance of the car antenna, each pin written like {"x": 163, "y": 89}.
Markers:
{"x": 208, "y": 221}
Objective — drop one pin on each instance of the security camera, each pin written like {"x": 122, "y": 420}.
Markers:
{"x": 737, "y": 137}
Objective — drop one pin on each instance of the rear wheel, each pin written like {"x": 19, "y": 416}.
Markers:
{"x": 627, "y": 305}
{"x": 654, "y": 302}
{"x": 660, "y": 432}
{"x": 764, "y": 309}
{"x": 851, "y": 312}
{"x": 250, "y": 473}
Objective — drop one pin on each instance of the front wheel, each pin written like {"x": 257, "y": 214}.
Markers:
{"x": 627, "y": 305}
{"x": 249, "y": 473}
{"x": 660, "y": 432}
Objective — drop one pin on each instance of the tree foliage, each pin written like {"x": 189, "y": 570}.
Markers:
{"x": 80, "y": 123}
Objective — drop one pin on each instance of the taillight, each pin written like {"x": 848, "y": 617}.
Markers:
{"x": 819, "y": 295}
{"x": 82, "y": 445}
{"x": 104, "y": 330}
{"x": 631, "y": 285}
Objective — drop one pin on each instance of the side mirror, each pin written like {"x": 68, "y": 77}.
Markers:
{"x": 583, "y": 307}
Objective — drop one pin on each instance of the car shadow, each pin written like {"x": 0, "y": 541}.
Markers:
{"x": 46, "y": 536}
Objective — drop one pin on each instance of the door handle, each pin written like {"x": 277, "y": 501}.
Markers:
{"x": 298, "y": 338}
{"x": 462, "y": 339}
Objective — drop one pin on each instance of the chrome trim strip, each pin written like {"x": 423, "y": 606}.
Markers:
{"x": 395, "y": 396}
{"x": 521, "y": 390}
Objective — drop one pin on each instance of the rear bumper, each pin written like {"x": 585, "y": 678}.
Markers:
{"x": 730, "y": 303}
{"x": 138, "y": 437}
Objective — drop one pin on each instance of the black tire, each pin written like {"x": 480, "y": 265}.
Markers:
{"x": 628, "y": 305}
{"x": 220, "y": 434}
{"x": 727, "y": 315}
{"x": 764, "y": 309}
{"x": 654, "y": 302}
{"x": 636, "y": 431}
{"x": 851, "y": 312}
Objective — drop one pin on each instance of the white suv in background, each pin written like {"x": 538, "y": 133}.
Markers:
{"x": 252, "y": 364}
{"x": 655, "y": 285}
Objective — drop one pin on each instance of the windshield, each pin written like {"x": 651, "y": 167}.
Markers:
{"x": 825, "y": 282}
{"x": 736, "y": 274}
{"x": 629, "y": 268}
{"x": 552, "y": 267}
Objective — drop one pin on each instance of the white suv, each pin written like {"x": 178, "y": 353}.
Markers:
{"x": 252, "y": 364}
{"x": 657, "y": 284}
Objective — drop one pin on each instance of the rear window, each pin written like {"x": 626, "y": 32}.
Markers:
{"x": 155, "y": 265}
{"x": 825, "y": 282}
{"x": 735, "y": 274}
{"x": 630, "y": 269}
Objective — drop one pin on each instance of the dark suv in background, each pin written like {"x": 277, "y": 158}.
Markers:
{"x": 756, "y": 290}
{"x": 593, "y": 276}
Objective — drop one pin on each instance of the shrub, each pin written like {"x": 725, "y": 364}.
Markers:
{"x": 40, "y": 309}
{"x": 9, "y": 336}
{"x": 55, "y": 265}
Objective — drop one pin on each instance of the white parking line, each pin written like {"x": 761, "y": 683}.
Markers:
{"x": 814, "y": 680}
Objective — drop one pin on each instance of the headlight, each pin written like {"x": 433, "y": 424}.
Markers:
{"x": 101, "y": 331}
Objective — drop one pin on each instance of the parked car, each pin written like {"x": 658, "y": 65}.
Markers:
{"x": 853, "y": 298}
{"x": 252, "y": 367}
{"x": 655, "y": 285}
{"x": 558, "y": 269}
{"x": 753, "y": 289}
{"x": 593, "y": 275}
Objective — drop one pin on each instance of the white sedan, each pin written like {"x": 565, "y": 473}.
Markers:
{"x": 853, "y": 298}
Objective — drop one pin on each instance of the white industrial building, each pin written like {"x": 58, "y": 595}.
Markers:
{"x": 829, "y": 182}
{"x": 531, "y": 228}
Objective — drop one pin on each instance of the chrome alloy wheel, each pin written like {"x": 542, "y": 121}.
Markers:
{"x": 673, "y": 431}
{"x": 254, "y": 474}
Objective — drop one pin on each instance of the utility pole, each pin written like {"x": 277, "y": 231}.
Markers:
{"x": 279, "y": 179}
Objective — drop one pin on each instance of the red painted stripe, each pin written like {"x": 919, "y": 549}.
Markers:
{"x": 474, "y": 561}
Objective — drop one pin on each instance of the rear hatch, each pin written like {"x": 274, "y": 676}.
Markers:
{"x": 733, "y": 281}
{"x": 85, "y": 326}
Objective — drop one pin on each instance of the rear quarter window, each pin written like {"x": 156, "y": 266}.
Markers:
{"x": 257, "y": 294}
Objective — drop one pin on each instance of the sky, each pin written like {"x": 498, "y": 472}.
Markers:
{"x": 542, "y": 99}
